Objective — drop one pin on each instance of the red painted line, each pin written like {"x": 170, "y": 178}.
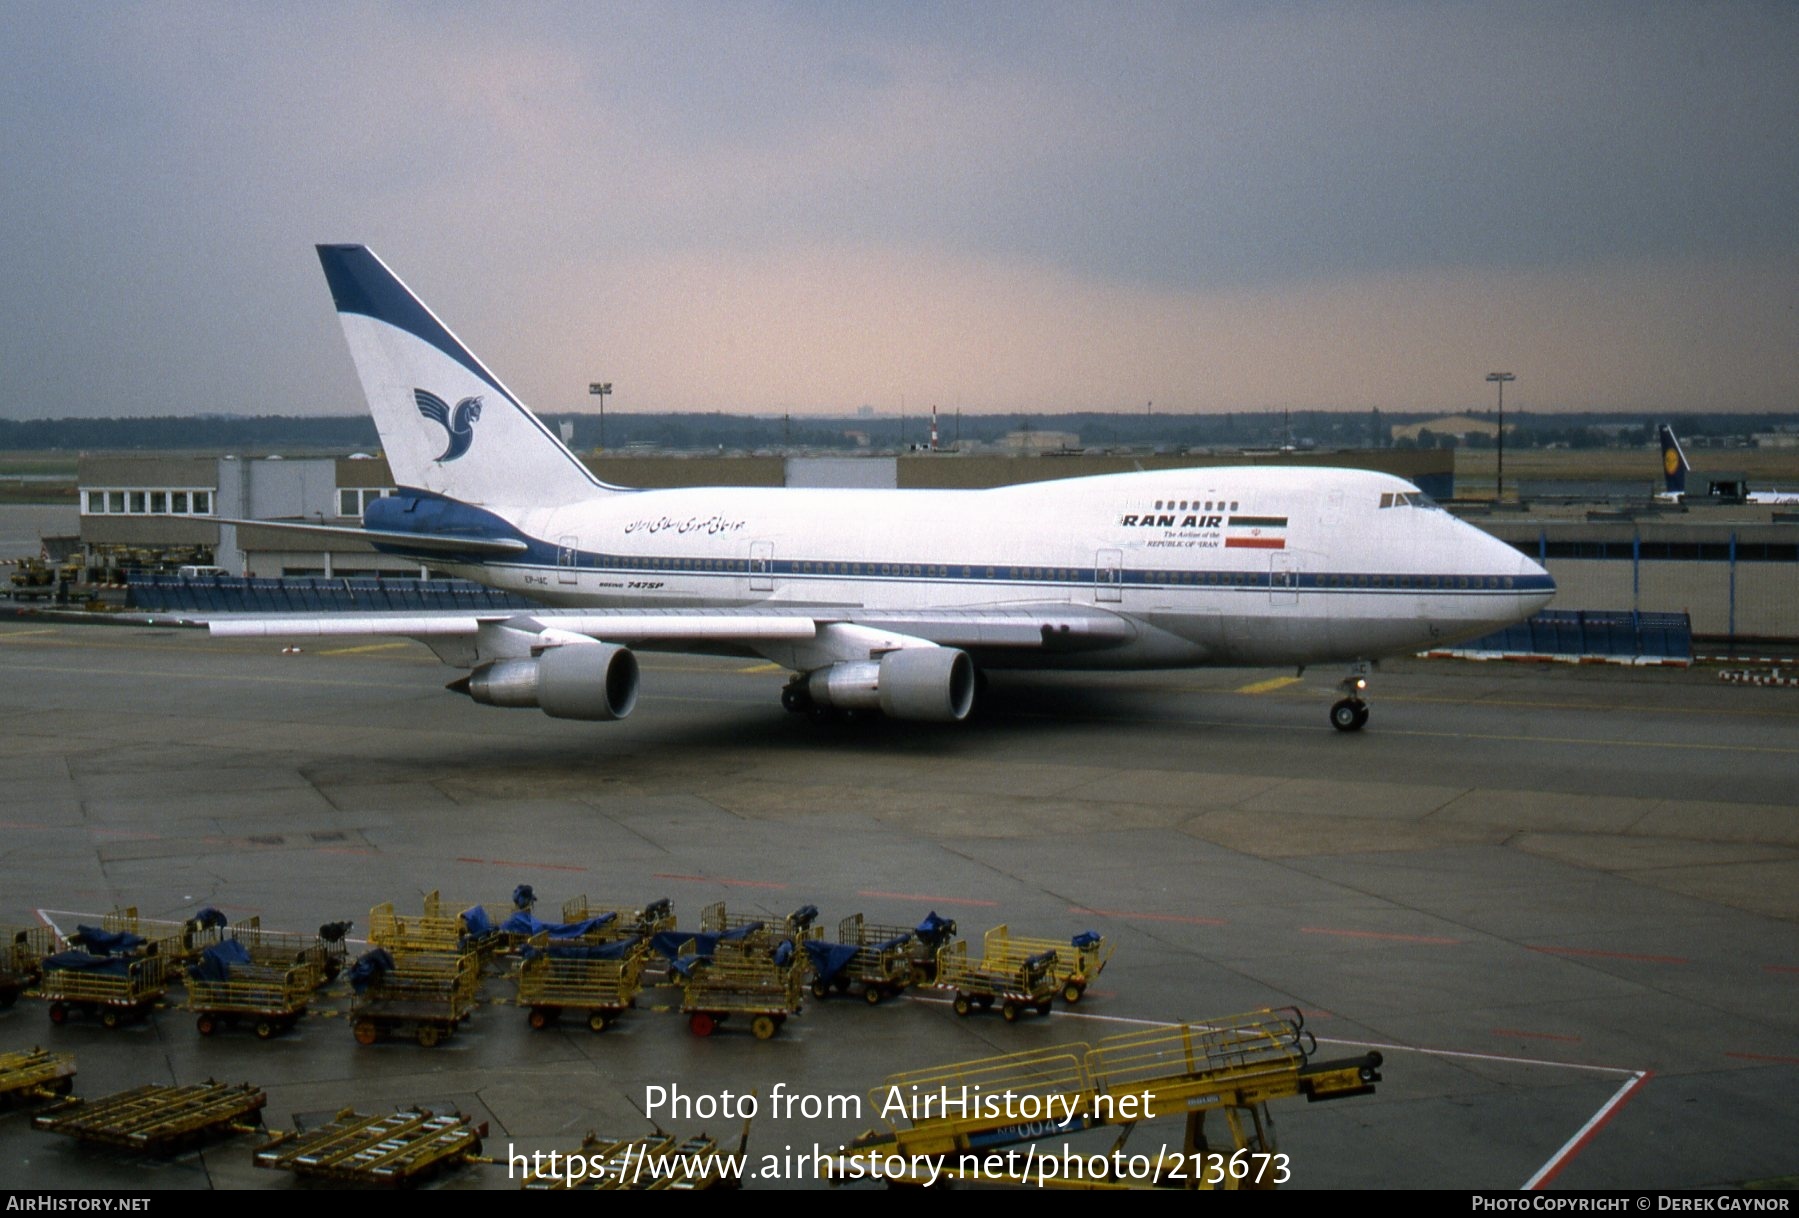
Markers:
{"x": 1573, "y": 1040}
{"x": 715, "y": 879}
{"x": 1762, "y": 1057}
{"x": 356, "y": 850}
{"x": 1375, "y": 934}
{"x": 929, "y": 900}
{"x": 539, "y": 866}
{"x": 1588, "y": 951}
{"x": 1147, "y": 917}
{"x": 1781, "y": 968}
{"x": 1588, "y": 1132}
{"x": 19, "y": 824}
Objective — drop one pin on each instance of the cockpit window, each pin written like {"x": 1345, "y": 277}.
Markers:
{"x": 1417, "y": 499}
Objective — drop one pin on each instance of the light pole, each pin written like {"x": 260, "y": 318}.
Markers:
{"x": 600, "y": 389}
{"x": 1500, "y": 378}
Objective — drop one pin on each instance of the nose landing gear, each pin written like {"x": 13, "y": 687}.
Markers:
{"x": 1350, "y": 713}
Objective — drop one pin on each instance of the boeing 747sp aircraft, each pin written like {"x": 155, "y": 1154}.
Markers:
{"x": 876, "y": 599}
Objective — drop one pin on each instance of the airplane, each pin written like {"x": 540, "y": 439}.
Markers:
{"x": 1725, "y": 490}
{"x": 890, "y": 601}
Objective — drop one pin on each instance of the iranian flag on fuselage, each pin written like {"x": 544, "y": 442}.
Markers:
{"x": 1255, "y": 533}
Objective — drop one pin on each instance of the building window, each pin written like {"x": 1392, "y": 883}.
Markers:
{"x": 354, "y": 501}
{"x": 202, "y": 503}
{"x": 178, "y": 502}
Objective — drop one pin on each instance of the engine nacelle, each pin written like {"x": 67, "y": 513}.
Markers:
{"x": 585, "y": 681}
{"x": 934, "y": 684}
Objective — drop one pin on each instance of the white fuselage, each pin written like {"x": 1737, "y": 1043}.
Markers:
{"x": 1216, "y": 565}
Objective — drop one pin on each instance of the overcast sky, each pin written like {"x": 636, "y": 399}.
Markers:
{"x": 983, "y": 205}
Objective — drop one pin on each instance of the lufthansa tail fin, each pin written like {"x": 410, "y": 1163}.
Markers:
{"x": 447, "y": 424}
{"x": 1674, "y": 462}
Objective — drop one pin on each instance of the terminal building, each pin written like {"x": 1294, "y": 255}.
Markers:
{"x": 1734, "y": 568}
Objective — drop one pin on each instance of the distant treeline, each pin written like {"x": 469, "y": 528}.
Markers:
{"x": 737, "y": 433}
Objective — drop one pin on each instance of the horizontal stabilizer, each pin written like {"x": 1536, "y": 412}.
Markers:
{"x": 430, "y": 543}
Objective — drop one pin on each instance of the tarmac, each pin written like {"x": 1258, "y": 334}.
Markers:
{"x": 1560, "y": 901}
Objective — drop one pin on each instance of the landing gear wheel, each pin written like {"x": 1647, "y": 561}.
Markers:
{"x": 764, "y": 1026}
{"x": 1349, "y": 715}
{"x": 701, "y": 1024}
{"x": 597, "y": 1021}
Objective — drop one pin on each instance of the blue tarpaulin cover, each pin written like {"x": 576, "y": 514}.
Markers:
{"x": 685, "y": 965}
{"x": 934, "y": 930}
{"x": 106, "y": 942}
{"x": 87, "y": 962}
{"x": 742, "y": 932}
{"x": 522, "y": 923}
{"x": 1086, "y": 939}
{"x": 803, "y": 917}
{"x": 216, "y": 961}
{"x": 783, "y": 952}
{"x": 476, "y": 922}
{"x": 670, "y": 942}
{"x": 210, "y": 918}
{"x": 828, "y": 959}
{"x": 583, "y": 951}
{"x": 523, "y": 897}
{"x": 893, "y": 944}
{"x": 370, "y": 968}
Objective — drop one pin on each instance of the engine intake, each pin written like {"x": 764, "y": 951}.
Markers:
{"x": 932, "y": 684}
{"x": 586, "y": 681}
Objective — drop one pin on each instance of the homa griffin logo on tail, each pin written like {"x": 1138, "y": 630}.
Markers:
{"x": 458, "y": 423}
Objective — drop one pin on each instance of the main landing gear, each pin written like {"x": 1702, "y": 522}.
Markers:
{"x": 1350, "y": 713}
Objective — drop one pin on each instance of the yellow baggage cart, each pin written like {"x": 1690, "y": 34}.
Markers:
{"x": 1078, "y": 961}
{"x": 557, "y": 977}
{"x": 1016, "y": 985}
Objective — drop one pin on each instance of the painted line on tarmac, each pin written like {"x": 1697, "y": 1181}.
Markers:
{"x": 915, "y": 896}
{"x": 516, "y": 863}
{"x": 1572, "y": 1040}
{"x": 1595, "y": 953}
{"x": 716, "y": 879}
{"x": 1574, "y": 1145}
{"x": 1377, "y": 934}
{"x": 1763, "y": 1057}
{"x": 1148, "y": 917}
{"x": 1268, "y": 686}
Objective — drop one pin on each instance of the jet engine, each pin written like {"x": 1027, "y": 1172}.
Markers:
{"x": 584, "y": 681}
{"x": 935, "y": 684}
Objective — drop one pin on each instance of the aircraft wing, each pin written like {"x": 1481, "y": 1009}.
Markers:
{"x": 1050, "y": 627}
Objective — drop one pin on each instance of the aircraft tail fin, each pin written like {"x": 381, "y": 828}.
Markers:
{"x": 447, "y": 424}
{"x": 1674, "y": 462}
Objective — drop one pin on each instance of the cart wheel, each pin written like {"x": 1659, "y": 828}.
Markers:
{"x": 820, "y": 990}
{"x": 1046, "y": 1006}
{"x": 266, "y": 1028}
{"x": 872, "y": 995}
{"x": 963, "y": 1006}
{"x": 428, "y": 1035}
{"x": 1010, "y": 1011}
{"x": 701, "y": 1024}
{"x": 366, "y": 1032}
{"x": 59, "y": 1013}
{"x": 597, "y": 1021}
{"x": 539, "y": 1019}
{"x": 207, "y": 1025}
{"x": 109, "y": 1018}
{"x": 1071, "y": 993}
{"x": 764, "y": 1026}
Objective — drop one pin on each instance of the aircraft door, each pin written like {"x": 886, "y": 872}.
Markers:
{"x": 762, "y": 566}
{"x": 1283, "y": 579}
{"x": 1108, "y": 581}
{"x": 568, "y": 550}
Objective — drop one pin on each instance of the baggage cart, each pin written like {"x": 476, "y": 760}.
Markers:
{"x": 426, "y": 995}
{"x": 22, "y": 952}
{"x": 874, "y": 957}
{"x": 157, "y": 1119}
{"x": 35, "y": 1074}
{"x": 175, "y": 940}
{"x": 444, "y": 926}
{"x": 555, "y": 977}
{"x": 117, "y": 989}
{"x": 323, "y": 956}
{"x": 751, "y": 930}
{"x": 269, "y": 998}
{"x": 741, "y": 980}
{"x": 628, "y": 921}
{"x": 650, "y": 1163}
{"x": 1017, "y": 986}
{"x": 1078, "y": 961}
{"x": 397, "y": 1149}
